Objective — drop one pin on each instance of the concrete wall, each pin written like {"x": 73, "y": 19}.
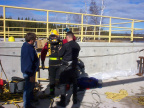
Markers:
{"x": 97, "y": 57}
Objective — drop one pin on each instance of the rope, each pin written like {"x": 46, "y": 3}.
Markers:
{"x": 10, "y": 102}
{"x": 7, "y": 98}
{"x": 3, "y": 71}
{"x": 95, "y": 104}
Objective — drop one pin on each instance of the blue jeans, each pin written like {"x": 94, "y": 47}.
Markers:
{"x": 28, "y": 91}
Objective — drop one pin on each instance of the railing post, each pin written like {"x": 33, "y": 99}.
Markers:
{"x": 132, "y": 30}
{"x": 110, "y": 29}
{"x": 47, "y": 24}
{"x": 8, "y": 31}
{"x": 94, "y": 32}
{"x": 62, "y": 32}
{"x": 72, "y": 29}
{"x": 4, "y": 24}
{"x": 81, "y": 27}
{"x": 36, "y": 31}
{"x": 23, "y": 31}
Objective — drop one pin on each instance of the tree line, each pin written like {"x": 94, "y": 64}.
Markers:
{"x": 27, "y": 24}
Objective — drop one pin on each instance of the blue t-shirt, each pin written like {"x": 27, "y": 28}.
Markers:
{"x": 29, "y": 59}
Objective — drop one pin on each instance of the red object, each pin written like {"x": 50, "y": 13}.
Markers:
{"x": 44, "y": 52}
{"x": 87, "y": 88}
{"x": 1, "y": 83}
{"x": 67, "y": 87}
{"x": 65, "y": 40}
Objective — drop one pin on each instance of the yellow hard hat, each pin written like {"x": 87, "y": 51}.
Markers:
{"x": 11, "y": 39}
{"x": 54, "y": 32}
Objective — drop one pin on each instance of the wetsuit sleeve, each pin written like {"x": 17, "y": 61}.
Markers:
{"x": 44, "y": 52}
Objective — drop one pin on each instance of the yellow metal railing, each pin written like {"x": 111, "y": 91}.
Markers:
{"x": 37, "y": 76}
{"x": 81, "y": 33}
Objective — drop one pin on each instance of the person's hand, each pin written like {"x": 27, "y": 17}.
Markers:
{"x": 43, "y": 66}
{"x": 32, "y": 79}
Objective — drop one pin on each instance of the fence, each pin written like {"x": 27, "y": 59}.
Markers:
{"x": 80, "y": 29}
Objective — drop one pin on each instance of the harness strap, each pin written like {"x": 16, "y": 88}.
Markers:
{"x": 55, "y": 58}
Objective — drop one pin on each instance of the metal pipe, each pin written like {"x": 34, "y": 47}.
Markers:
{"x": 81, "y": 27}
{"x": 109, "y": 29}
{"x": 4, "y": 24}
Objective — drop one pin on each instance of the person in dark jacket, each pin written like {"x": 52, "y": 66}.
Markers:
{"x": 69, "y": 52}
{"x": 29, "y": 66}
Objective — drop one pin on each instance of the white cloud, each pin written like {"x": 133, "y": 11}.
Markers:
{"x": 124, "y": 8}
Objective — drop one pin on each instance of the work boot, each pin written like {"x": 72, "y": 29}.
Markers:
{"x": 75, "y": 99}
{"x": 30, "y": 106}
{"x": 62, "y": 101}
{"x": 52, "y": 90}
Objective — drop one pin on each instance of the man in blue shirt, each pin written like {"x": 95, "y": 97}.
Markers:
{"x": 29, "y": 66}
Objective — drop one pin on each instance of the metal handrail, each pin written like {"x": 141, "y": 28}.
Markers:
{"x": 82, "y": 33}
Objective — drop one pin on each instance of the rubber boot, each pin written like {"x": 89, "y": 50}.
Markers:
{"x": 52, "y": 90}
{"x": 62, "y": 101}
{"x": 75, "y": 99}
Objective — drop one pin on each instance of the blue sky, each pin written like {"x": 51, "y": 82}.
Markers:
{"x": 118, "y": 8}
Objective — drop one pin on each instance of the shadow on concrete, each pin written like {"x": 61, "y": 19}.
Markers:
{"x": 113, "y": 83}
{"x": 135, "y": 100}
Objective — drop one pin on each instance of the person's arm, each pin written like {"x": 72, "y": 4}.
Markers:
{"x": 62, "y": 51}
{"x": 44, "y": 52}
{"x": 35, "y": 64}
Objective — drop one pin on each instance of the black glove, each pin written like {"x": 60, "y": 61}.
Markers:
{"x": 43, "y": 65}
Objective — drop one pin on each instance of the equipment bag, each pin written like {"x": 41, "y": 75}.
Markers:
{"x": 89, "y": 82}
{"x": 17, "y": 79}
{"x": 17, "y": 85}
{"x": 13, "y": 87}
